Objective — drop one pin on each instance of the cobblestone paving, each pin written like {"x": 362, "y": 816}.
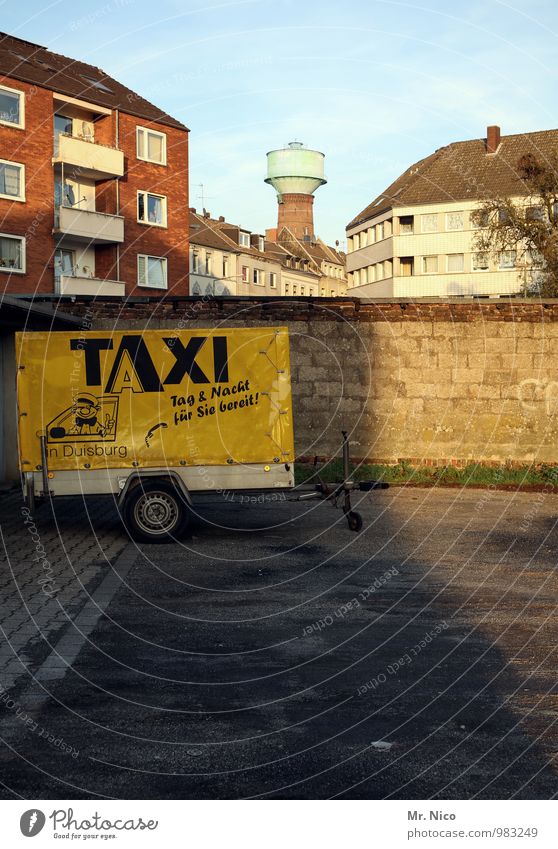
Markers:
{"x": 49, "y": 564}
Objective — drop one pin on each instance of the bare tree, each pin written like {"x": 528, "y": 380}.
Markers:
{"x": 527, "y": 229}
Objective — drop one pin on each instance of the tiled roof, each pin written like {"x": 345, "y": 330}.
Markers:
{"x": 463, "y": 171}
{"x": 31, "y": 63}
{"x": 204, "y": 232}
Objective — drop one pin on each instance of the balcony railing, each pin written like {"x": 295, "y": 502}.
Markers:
{"x": 95, "y": 228}
{"x": 69, "y": 284}
{"x": 87, "y": 158}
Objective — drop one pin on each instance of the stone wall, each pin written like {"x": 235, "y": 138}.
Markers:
{"x": 428, "y": 382}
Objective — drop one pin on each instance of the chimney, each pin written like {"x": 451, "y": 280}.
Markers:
{"x": 271, "y": 234}
{"x": 222, "y": 219}
{"x": 492, "y": 139}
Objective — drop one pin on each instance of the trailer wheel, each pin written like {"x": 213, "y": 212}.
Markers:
{"x": 355, "y": 520}
{"x": 155, "y": 511}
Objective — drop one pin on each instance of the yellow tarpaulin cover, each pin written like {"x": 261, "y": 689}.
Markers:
{"x": 155, "y": 398}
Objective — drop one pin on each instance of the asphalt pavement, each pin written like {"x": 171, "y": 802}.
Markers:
{"x": 276, "y": 654}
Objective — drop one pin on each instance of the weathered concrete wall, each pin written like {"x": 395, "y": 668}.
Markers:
{"x": 428, "y": 382}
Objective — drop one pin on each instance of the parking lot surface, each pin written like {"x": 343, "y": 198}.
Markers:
{"x": 275, "y": 654}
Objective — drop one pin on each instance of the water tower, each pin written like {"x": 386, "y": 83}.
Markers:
{"x": 295, "y": 173}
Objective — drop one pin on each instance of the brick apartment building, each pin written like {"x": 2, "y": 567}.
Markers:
{"x": 93, "y": 182}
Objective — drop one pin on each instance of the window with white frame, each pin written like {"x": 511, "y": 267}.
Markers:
{"x": 261, "y": 243}
{"x": 507, "y": 259}
{"x": 356, "y": 277}
{"x": 225, "y": 267}
{"x": 273, "y": 279}
{"x": 456, "y": 262}
{"x": 380, "y": 231}
{"x": 454, "y": 220}
{"x": 286, "y": 288}
{"x": 379, "y": 271}
{"x": 195, "y": 262}
{"x": 245, "y": 274}
{"x": 364, "y": 276}
{"x": 356, "y": 241}
{"x": 363, "y": 238}
{"x": 388, "y": 227}
{"x": 258, "y": 276}
{"x": 302, "y": 290}
{"x": 151, "y": 146}
{"x": 429, "y": 264}
{"x": 349, "y": 244}
{"x": 12, "y": 107}
{"x": 371, "y": 235}
{"x": 244, "y": 239}
{"x": 480, "y": 261}
{"x": 12, "y": 180}
{"x": 208, "y": 262}
{"x": 429, "y": 222}
{"x": 388, "y": 268}
{"x": 152, "y": 209}
{"x": 371, "y": 273}
{"x": 12, "y": 253}
{"x": 152, "y": 271}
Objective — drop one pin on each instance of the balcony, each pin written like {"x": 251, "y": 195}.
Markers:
{"x": 87, "y": 159}
{"x": 95, "y": 228}
{"x": 75, "y": 285}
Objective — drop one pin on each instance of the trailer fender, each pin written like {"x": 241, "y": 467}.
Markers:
{"x": 136, "y": 478}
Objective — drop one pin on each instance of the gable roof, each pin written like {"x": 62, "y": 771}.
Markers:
{"x": 463, "y": 171}
{"x": 31, "y": 63}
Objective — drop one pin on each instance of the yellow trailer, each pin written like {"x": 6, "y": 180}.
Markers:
{"x": 154, "y": 416}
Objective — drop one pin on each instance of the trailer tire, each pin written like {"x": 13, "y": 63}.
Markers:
{"x": 155, "y": 511}
{"x": 355, "y": 521}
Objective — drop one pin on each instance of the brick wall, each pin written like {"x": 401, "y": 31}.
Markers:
{"x": 31, "y": 147}
{"x": 426, "y": 382}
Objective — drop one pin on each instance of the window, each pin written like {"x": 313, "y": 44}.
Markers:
{"x": 96, "y": 84}
{"x": 273, "y": 279}
{"x": 12, "y": 253}
{"x": 371, "y": 273}
{"x": 503, "y": 216}
{"x": 151, "y": 146}
{"x": 534, "y": 213}
{"x": 388, "y": 227}
{"x": 429, "y": 264}
{"x": 302, "y": 290}
{"x": 152, "y": 209}
{"x": 456, "y": 262}
{"x": 507, "y": 259}
{"x": 429, "y": 222}
{"x": 63, "y": 126}
{"x": 208, "y": 262}
{"x": 245, "y": 274}
{"x": 371, "y": 235}
{"x": 388, "y": 268}
{"x": 333, "y": 293}
{"x": 244, "y": 239}
{"x": 152, "y": 271}
{"x": 454, "y": 221}
{"x": 261, "y": 243}
{"x": 322, "y": 293}
{"x": 379, "y": 231}
{"x": 258, "y": 277}
{"x": 294, "y": 288}
{"x": 406, "y": 266}
{"x": 356, "y": 241}
{"x": 363, "y": 276}
{"x": 363, "y": 238}
{"x": 356, "y": 277}
{"x": 12, "y": 180}
{"x": 225, "y": 267}
{"x": 11, "y": 107}
{"x": 480, "y": 218}
{"x": 406, "y": 224}
{"x": 480, "y": 262}
{"x": 195, "y": 262}
{"x": 349, "y": 244}
{"x": 64, "y": 263}
{"x": 379, "y": 271}
{"x": 286, "y": 288}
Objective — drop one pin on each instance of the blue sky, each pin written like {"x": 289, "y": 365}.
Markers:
{"x": 375, "y": 85}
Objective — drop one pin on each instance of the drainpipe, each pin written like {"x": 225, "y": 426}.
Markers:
{"x": 117, "y": 142}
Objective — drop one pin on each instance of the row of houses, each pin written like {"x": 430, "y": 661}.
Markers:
{"x": 226, "y": 259}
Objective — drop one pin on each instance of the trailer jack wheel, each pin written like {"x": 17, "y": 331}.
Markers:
{"x": 355, "y": 520}
{"x": 155, "y": 511}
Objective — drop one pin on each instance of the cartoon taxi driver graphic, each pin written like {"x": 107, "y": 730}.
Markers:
{"x": 85, "y": 412}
